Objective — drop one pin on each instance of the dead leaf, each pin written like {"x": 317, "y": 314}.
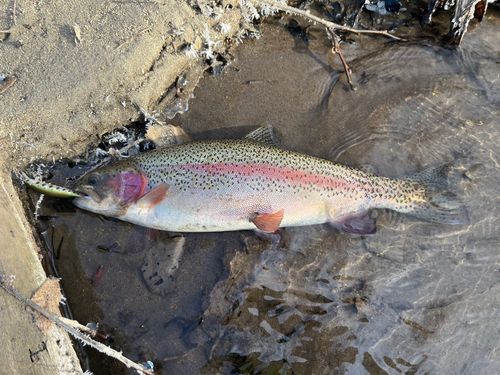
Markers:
{"x": 166, "y": 135}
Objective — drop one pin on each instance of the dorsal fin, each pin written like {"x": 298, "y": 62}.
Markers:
{"x": 368, "y": 168}
{"x": 265, "y": 134}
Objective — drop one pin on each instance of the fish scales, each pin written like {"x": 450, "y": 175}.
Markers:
{"x": 221, "y": 185}
{"x": 258, "y": 179}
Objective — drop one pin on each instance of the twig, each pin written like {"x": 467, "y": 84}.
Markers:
{"x": 119, "y": 153}
{"x": 336, "y": 49}
{"x": 336, "y": 26}
{"x": 178, "y": 357}
{"x": 5, "y": 284}
{"x": 10, "y": 82}
{"x": 81, "y": 327}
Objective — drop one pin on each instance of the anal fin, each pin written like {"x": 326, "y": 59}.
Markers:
{"x": 269, "y": 222}
{"x": 358, "y": 224}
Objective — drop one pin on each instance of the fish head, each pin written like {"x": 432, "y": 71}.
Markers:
{"x": 111, "y": 190}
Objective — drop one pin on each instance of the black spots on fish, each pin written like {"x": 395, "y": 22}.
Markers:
{"x": 230, "y": 159}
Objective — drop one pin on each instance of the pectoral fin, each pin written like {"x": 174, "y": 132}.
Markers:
{"x": 358, "y": 224}
{"x": 141, "y": 240}
{"x": 270, "y": 222}
{"x": 152, "y": 198}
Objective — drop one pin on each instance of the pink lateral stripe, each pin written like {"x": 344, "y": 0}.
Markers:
{"x": 284, "y": 174}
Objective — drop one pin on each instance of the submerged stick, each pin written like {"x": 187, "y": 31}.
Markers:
{"x": 5, "y": 284}
{"x": 336, "y": 26}
{"x": 336, "y": 49}
{"x": 81, "y": 327}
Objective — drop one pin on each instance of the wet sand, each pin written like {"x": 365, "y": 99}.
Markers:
{"x": 82, "y": 68}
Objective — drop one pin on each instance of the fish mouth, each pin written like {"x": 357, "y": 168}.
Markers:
{"x": 88, "y": 192}
{"x": 82, "y": 194}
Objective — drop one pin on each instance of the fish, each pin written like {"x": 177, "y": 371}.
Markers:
{"x": 224, "y": 185}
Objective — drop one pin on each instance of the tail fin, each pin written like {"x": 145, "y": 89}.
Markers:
{"x": 438, "y": 205}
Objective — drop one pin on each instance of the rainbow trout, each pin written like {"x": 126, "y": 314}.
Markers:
{"x": 228, "y": 185}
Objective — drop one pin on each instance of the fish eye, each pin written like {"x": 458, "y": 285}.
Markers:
{"x": 92, "y": 180}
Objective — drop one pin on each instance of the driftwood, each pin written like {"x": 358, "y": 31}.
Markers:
{"x": 5, "y": 283}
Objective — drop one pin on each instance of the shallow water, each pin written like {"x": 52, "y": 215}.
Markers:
{"x": 415, "y": 298}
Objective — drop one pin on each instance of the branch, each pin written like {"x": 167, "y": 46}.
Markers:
{"x": 81, "y": 327}
{"x": 336, "y": 49}
{"x": 9, "y": 82}
{"x": 336, "y": 26}
{"x": 5, "y": 283}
